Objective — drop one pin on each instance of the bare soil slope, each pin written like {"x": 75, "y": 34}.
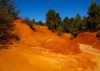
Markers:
{"x": 44, "y": 51}
{"x": 88, "y": 38}
{"x": 44, "y": 38}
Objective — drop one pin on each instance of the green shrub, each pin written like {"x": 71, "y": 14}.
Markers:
{"x": 60, "y": 31}
{"x": 98, "y": 34}
{"x": 8, "y": 13}
{"x": 5, "y": 27}
{"x": 98, "y": 26}
{"x": 29, "y": 23}
{"x": 74, "y": 33}
{"x": 40, "y": 23}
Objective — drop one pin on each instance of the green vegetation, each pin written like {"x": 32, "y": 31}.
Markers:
{"x": 53, "y": 21}
{"x": 98, "y": 35}
{"x": 75, "y": 25}
{"x": 29, "y": 23}
{"x": 93, "y": 16}
{"x": 40, "y": 23}
{"x": 8, "y": 13}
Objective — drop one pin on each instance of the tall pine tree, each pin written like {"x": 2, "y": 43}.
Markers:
{"x": 93, "y": 16}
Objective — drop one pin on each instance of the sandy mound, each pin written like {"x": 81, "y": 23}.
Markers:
{"x": 44, "y": 38}
{"x": 88, "y": 38}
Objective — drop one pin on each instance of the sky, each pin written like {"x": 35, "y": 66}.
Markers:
{"x": 37, "y": 9}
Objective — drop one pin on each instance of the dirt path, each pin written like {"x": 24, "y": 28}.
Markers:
{"x": 89, "y": 49}
{"x": 96, "y": 53}
{"x": 38, "y": 59}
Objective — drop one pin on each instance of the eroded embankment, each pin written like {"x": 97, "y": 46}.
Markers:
{"x": 43, "y": 51}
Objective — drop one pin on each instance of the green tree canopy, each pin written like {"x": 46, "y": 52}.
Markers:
{"x": 65, "y": 24}
{"x": 40, "y": 23}
{"x": 53, "y": 19}
{"x": 93, "y": 16}
{"x": 77, "y": 22}
{"x": 8, "y": 13}
{"x": 8, "y": 6}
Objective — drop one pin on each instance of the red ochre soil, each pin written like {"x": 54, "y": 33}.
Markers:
{"x": 88, "y": 38}
{"x": 43, "y": 50}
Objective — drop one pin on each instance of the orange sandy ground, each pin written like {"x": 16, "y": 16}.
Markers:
{"x": 88, "y": 38}
{"x": 45, "y": 51}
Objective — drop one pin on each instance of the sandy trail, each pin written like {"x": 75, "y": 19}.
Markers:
{"x": 89, "y": 49}
{"x": 35, "y": 59}
{"x": 96, "y": 54}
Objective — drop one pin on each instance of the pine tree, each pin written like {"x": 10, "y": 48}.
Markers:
{"x": 77, "y": 22}
{"x": 65, "y": 24}
{"x": 9, "y": 7}
{"x": 53, "y": 20}
{"x": 93, "y": 16}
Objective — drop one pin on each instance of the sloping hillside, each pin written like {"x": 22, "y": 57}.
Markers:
{"x": 44, "y": 38}
{"x": 42, "y": 50}
{"x": 88, "y": 38}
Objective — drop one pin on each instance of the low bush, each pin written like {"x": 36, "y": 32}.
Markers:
{"x": 98, "y": 35}
{"x": 8, "y": 13}
{"x": 74, "y": 33}
{"x": 29, "y": 23}
{"x": 60, "y": 31}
